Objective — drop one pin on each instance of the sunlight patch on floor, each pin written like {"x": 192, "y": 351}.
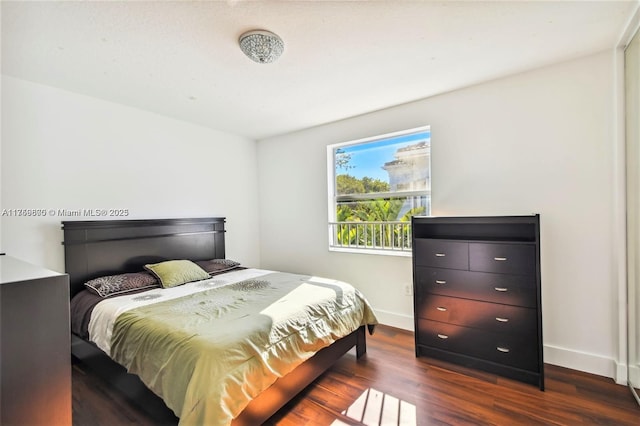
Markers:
{"x": 375, "y": 408}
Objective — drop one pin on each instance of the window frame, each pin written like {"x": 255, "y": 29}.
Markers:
{"x": 333, "y": 198}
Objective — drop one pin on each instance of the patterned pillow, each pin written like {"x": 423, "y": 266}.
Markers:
{"x": 216, "y": 266}
{"x": 114, "y": 285}
{"x": 176, "y": 272}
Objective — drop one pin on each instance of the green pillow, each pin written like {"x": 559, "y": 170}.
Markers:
{"x": 173, "y": 273}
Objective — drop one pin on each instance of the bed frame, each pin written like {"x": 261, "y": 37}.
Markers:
{"x": 97, "y": 248}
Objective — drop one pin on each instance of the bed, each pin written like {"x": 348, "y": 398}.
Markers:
{"x": 289, "y": 328}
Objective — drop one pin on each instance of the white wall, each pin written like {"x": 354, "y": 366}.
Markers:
{"x": 632, "y": 92}
{"x": 62, "y": 150}
{"x": 538, "y": 142}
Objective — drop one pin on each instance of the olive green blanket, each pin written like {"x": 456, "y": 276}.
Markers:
{"x": 208, "y": 353}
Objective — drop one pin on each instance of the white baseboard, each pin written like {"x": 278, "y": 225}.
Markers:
{"x": 634, "y": 375}
{"x": 393, "y": 319}
{"x": 621, "y": 374}
{"x": 589, "y": 363}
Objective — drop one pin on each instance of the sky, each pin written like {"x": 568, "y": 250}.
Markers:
{"x": 367, "y": 159}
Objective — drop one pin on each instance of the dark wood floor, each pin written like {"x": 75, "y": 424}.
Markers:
{"x": 389, "y": 386}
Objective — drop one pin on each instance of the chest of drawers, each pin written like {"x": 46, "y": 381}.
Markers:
{"x": 477, "y": 296}
{"x": 35, "y": 346}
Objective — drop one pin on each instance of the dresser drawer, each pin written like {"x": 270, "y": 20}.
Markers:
{"x": 518, "y": 290}
{"x": 502, "y": 258}
{"x": 441, "y": 254}
{"x": 508, "y": 349}
{"x": 484, "y": 315}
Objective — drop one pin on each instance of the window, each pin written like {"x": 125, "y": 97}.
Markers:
{"x": 375, "y": 186}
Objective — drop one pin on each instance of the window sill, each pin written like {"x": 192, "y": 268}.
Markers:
{"x": 398, "y": 253}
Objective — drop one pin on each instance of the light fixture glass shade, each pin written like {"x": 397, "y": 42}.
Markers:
{"x": 261, "y": 46}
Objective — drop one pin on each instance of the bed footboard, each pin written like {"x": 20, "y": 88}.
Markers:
{"x": 286, "y": 388}
{"x": 257, "y": 412}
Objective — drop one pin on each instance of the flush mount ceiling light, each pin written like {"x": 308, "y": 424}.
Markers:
{"x": 261, "y": 46}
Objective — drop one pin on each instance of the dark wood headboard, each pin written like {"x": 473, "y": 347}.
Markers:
{"x": 105, "y": 247}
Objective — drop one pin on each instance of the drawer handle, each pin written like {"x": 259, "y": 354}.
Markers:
{"x": 443, "y": 336}
{"x": 500, "y": 259}
{"x": 501, "y": 349}
{"x": 441, "y": 309}
{"x": 440, "y": 282}
{"x": 502, "y": 289}
{"x": 441, "y": 254}
{"x": 502, "y": 319}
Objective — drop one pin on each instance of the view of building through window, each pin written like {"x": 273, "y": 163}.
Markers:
{"x": 375, "y": 186}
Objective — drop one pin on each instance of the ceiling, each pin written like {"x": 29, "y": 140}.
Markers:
{"x": 342, "y": 58}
